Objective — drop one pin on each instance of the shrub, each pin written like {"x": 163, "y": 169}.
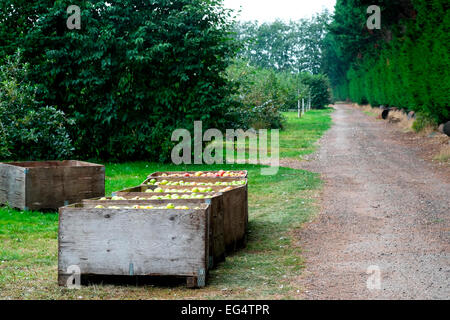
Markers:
{"x": 135, "y": 71}
{"x": 28, "y": 130}
{"x": 423, "y": 122}
{"x": 320, "y": 89}
{"x": 262, "y": 94}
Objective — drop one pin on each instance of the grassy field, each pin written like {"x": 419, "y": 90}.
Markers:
{"x": 267, "y": 268}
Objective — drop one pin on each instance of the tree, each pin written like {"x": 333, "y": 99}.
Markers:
{"x": 296, "y": 46}
{"x": 136, "y": 70}
{"x": 405, "y": 64}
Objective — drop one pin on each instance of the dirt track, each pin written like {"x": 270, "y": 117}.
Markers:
{"x": 383, "y": 206}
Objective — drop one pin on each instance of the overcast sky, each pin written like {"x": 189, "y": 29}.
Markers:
{"x": 269, "y": 10}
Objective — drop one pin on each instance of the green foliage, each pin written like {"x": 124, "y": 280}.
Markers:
{"x": 295, "y": 46}
{"x": 405, "y": 64}
{"x": 319, "y": 88}
{"x": 262, "y": 93}
{"x": 28, "y": 130}
{"x": 422, "y": 122}
{"x": 136, "y": 70}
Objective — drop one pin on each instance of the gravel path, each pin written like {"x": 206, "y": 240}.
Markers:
{"x": 383, "y": 206}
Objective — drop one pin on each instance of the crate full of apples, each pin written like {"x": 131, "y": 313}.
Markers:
{"x": 135, "y": 239}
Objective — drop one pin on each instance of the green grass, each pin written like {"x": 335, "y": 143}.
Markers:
{"x": 295, "y": 143}
{"x": 267, "y": 268}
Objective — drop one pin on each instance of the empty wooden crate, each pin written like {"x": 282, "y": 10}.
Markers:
{"x": 134, "y": 242}
{"x": 49, "y": 184}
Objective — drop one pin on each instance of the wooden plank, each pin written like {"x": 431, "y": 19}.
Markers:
{"x": 150, "y": 242}
{"x": 235, "y": 204}
{"x": 12, "y": 186}
{"x": 143, "y": 188}
{"x": 217, "y": 242}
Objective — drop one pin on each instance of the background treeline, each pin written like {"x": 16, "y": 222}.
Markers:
{"x": 278, "y": 64}
{"x": 137, "y": 70}
{"x": 405, "y": 64}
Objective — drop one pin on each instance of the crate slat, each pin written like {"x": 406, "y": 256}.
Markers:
{"x": 235, "y": 204}
{"x": 134, "y": 242}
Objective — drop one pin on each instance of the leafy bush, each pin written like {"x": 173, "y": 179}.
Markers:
{"x": 262, "y": 93}
{"x": 133, "y": 73}
{"x": 422, "y": 122}
{"x": 319, "y": 87}
{"x": 27, "y": 130}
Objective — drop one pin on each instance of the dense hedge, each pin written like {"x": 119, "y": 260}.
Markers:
{"x": 407, "y": 65}
{"x": 136, "y": 70}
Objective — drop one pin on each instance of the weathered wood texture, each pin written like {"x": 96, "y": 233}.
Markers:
{"x": 12, "y": 185}
{"x": 50, "y": 184}
{"x": 235, "y": 218}
{"x": 160, "y": 173}
{"x": 134, "y": 242}
{"x": 217, "y": 242}
{"x": 235, "y": 204}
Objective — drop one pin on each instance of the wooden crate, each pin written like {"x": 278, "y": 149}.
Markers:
{"x": 217, "y": 242}
{"x": 236, "y": 218}
{"x": 49, "y": 184}
{"x": 235, "y": 204}
{"x": 160, "y": 173}
{"x": 134, "y": 242}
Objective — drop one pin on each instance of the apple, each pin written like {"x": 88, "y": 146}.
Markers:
{"x": 99, "y": 207}
{"x": 170, "y": 206}
{"x": 158, "y": 190}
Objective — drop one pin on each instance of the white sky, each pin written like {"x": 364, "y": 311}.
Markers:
{"x": 269, "y": 10}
